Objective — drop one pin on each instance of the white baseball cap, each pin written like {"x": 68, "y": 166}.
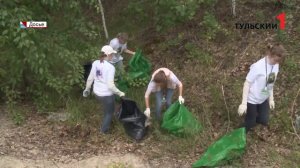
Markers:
{"x": 108, "y": 50}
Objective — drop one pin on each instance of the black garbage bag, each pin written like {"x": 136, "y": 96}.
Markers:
{"x": 133, "y": 119}
{"x": 87, "y": 68}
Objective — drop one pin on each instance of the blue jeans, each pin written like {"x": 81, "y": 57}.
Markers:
{"x": 257, "y": 113}
{"x": 159, "y": 97}
{"x": 108, "y": 103}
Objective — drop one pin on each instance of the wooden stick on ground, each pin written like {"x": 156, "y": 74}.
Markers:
{"x": 226, "y": 108}
{"x": 292, "y": 113}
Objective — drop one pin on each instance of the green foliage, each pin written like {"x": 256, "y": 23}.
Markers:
{"x": 12, "y": 96}
{"x": 174, "y": 11}
{"x": 17, "y": 117}
{"x": 164, "y": 13}
{"x": 39, "y": 62}
{"x": 197, "y": 53}
{"x": 75, "y": 111}
{"x": 211, "y": 26}
{"x": 11, "y": 102}
{"x": 138, "y": 82}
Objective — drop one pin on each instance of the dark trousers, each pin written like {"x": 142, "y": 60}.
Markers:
{"x": 108, "y": 104}
{"x": 257, "y": 113}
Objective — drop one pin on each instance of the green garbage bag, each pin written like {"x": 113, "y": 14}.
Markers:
{"x": 179, "y": 121}
{"x": 122, "y": 85}
{"x": 139, "y": 66}
{"x": 228, "y": 147}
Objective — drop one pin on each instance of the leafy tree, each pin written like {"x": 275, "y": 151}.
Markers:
{"x": 38, "y": 63}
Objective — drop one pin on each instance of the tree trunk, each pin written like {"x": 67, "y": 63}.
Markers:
{"x": 233, "y": 5}
{"x": 103, "y": 19}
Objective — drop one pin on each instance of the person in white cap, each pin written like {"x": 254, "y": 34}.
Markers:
{"x": 163, "y": 83}
{"x": 102, "y": 74}
{"x": 257, "y": 96}
{"x": 119, "y": 44}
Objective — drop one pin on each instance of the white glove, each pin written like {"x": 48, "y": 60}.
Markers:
{"x": 242, "y": 109}
{"x": 121, "y": 94}
{"x": 181, "y": 100}
{"x": 86, "y": 93}
{"x": 271, "y": 100}
{"x": 147, "y": 112}
{"x": 272, "y": 105}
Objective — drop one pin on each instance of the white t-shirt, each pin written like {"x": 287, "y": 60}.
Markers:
{"x": 261, "y": 72}
{"x": 172, "y": 83}
{"x": 117, "y": 46}
{"x": 102, "y": 73}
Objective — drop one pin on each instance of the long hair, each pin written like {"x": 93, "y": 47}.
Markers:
{"x": 161, "y": 77}
{"x": 102, "y": 56}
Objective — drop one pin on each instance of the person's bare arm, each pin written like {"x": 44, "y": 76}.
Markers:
{"x": 129, "y": 52}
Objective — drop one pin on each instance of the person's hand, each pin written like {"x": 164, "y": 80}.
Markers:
{"x": 272, "y": 105}
{"x": 122, "y": 94}
{"x": 181, "y": 100}
{"x": 86, "y": 93}
{"x": 147, "y": 112}
{"x": 242, "y": 109}
{"x": 133, "y": 53}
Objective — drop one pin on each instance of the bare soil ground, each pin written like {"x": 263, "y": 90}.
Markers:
{"x": 33, "y": 145}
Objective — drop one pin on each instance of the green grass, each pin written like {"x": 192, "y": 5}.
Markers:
{"x": 119, "y": 165}
{"x": 17, "y": 115}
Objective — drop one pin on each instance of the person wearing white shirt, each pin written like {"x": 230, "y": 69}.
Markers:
{"x": 163, "y": 84}
{"x": 102, "y": 74}
{"x": 119, "y": 44}
{"x": 257, "y": 96}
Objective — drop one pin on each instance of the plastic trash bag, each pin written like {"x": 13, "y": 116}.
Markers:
{"x": 133, "y": 119}
{"x": 122, "y": 85}
{"x": 226, "y": 148}
{"x": 179, "y": 121}
{"x": 139, "y": 66}
{"x": 87, "y": 68}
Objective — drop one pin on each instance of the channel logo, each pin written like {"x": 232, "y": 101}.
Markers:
{"x": 33, "y": 24}
{"x": 280, "y": 17}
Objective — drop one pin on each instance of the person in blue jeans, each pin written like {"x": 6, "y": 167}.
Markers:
{"x": 257, "y": 96}
{"x": 102, "y": 74}
{"x": 163, "y": 84}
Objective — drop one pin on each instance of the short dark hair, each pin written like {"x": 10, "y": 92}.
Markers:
{"x": 123, "y": 36}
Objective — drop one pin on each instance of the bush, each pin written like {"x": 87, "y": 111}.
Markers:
{"x": 211, "y": 26}
{"x": 39, "y": 62}
{"x": 196, "y": 52}
{"x": 164, "y": 13}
